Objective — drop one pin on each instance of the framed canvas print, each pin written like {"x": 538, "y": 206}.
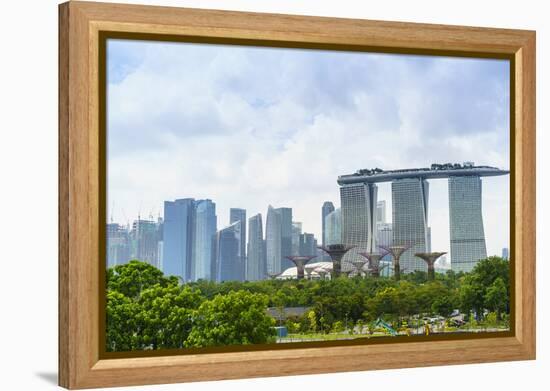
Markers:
{"x": 268, "y": 190}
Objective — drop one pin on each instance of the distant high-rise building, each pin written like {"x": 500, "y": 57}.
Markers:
{"x": 505, "y": 253}
{"x": 118, "y": 245}
{"x": 381, "y": 212}
{"x": 160, "y": 242}
{"x": 410, "y": 209}
{"x": 308, "y": 244}
{"x": 429, "y": 242}
{"x": 296, "y": 232}
{"x": 286, "y": 236}
{"x": 178, "y": 230}
{"x": 228, "y": 241}
{"x": 160, "y": 254}
{"x": 410, "y": 220}
{"x": 278, "y": 238}
{"x": 384, "y": 234}
{"x": 442, "y": 263}
{"x": 328, "y": 207}
{"x": 466, "y": 222}
{"x": 144, "y": 241}
{"x": 358, "y": 206}
{"x": 205, "y": 227}
{"x": 237, "y": 214}
{"x": 255, "y": 261}
{"x": 333, "y": 227}
{"x": 273, "y": 234}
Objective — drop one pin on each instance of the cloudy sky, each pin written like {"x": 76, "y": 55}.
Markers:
{"x": 248, "y": 127}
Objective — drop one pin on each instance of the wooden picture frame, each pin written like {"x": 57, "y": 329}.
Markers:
{"x": 81, "y": 24}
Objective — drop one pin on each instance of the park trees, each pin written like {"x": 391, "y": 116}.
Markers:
{"x": 122, "y": 323}
{"x": 167, "y": 315}
{"x": 486, "y": 287}
{"x": 496, "y": 298}
{"x": 238, "y": 318}
{"x": 132, "y": 278}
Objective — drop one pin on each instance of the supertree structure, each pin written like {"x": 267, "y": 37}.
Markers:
{"x": 300, "y": 262}
{"x": 273, "y": 276}
{"x": 359, "y": 266}
{"x": 309, "y": 269}
{"x": 396, "y": 251}
{"x": 346, "y": 273}
{"x": 374, "y": 262}
{"x": 430, "y": 259}
{"x": 321, "y": 272}
{"x": 336, "y": 253}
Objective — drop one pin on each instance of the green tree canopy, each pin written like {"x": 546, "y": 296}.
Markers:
{"x": 132, "y": 278}
{"x": 238, "y": 318}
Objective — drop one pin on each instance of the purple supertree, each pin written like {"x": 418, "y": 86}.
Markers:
{"x": 309, "y": 269}
{"x": 300, "y": 262}
{"x": 336, "y": 253}
{"x": 273, "y": 276}
{"x": 321, "y": 272}
{"x": 430, "y": 259}
{"x": 359, "y": 266}
{"x": 396, "y": 251}
{"x": 374, "y": 262}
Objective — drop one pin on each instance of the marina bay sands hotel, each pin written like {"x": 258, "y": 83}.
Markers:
{"x": 358, "y": 196}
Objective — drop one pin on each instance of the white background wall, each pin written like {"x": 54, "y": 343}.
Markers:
{"x": 28, "y": 193}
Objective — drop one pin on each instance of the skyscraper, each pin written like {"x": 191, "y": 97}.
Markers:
{"x": 144, "y": 241}
{"x": 410, "y": 220}
{"x": 384, "y": 234}
{"x": 333, "y": 227}
{"x": 237, "y": 214}
{"x": 381, "y": 212}
{"x": 466, "y": 222}
{"x": 227, "y": 253}
{"x": 179, "y": 216}
{"x": 505, "y": 253}
{"x": 296, "y": 232}
{"x": 205, "y": 226}
{"x": 328, "y": 207}
{"x": 118, "y": 245}
{"x": 278, "y": 233}
{"x": 286, "y": 236}
{"x": 308, "y": 244}
{"x": 255, "y": 261}
{"x": 160, "y": 242}
{"x": 358, "y": 206}
{"x": 273, "y": 234}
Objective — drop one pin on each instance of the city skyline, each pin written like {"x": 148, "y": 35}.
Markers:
{"x": 284, "y": 140}
{"x": 291, "y": 239}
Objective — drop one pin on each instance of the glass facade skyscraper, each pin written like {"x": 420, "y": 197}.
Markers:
{"x": 255, "y": 260}
{"x": 205, "y": 226}
{"x": 237, "y": 214}
{"x": 273, "y": 234}
{"x": 466, "y": 223}
{"x": 286, "y": 236}
{"x": 308, "y": 244}
{"x": 118, "y": 245}
{"x": 278, "y": 237}
{"x": 144, "y": 241}
{"x": 179, "y": 216}
{"x": 410, "y": 220}
{"x": 333, "y": 225}
{"x": 358, "y": 209}
{"x": 227, "y": 253}
{"x": 296, "y": 232}
{"x": 381, "y": 212}
{"x": 328, "y": 207}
